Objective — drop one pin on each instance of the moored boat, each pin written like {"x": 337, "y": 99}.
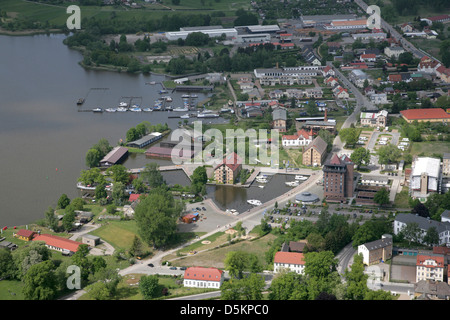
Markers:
{"x": 254, "y": 202}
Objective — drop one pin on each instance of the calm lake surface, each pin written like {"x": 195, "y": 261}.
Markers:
{"x": 44, "y": 139}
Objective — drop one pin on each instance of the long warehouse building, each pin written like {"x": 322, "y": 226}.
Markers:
{"x": 212, "y": 33}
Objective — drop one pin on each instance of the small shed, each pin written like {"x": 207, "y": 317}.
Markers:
{"x": 90, "y": 240}
{"x": 189, "y": 218}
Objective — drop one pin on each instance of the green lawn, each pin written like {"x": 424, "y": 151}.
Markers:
{"x": 11, "y": 290}
{"x": 430, "y": 147}
{"x": 119, "y": 234}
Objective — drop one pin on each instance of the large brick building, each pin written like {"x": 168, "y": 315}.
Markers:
{"x": 314, "y": 154}
{"x": 229, "y": 169}
{"x": 338, "y": 173}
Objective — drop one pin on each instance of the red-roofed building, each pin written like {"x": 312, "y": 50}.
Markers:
{"x": 430, "y": 267}
{"x": 25, "y": 235}
{"x": 134, "y": 197}
{"x": 58, "y": 243}
{"x": 371, "y": 57}
{"x": 201, "y": 277}
{"x": 328, "y": 71}
{"x": 443, "y": 73}
{"x": 292, "y": 261}
{"x": 424, "y": 115}
{"x": 302, "y": 138}
{"x": 229, "y": 169}
{"x": 395, "y": 78}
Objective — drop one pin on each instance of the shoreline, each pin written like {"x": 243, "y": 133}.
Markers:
{"x": 32, "y": 32}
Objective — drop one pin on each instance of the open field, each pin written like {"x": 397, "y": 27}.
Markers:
{"x": 430, "y": 148}
{"x": 215, "y": 258}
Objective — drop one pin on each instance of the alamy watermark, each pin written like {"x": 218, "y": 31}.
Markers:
{"x": 74, "y": 21}
{"x": 374, "y": 21}
{"x": 74, "y": 280}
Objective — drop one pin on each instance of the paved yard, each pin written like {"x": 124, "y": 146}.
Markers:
{"x": 404, "y": 268}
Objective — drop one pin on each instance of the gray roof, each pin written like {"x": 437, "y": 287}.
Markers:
{"x": 279, "y": 114}
{"x": 446, "y": 156}
{"x": 319, "y": 144}
{"x": 423, "y": 223}
{"x": 446, "y": 214}
{"x": 115, "y": 154}
{"x": 377, "y": 244}
{"x": 439, "y": 288}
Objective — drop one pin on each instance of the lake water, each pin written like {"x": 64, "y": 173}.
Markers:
{"x": 44, "y": 139}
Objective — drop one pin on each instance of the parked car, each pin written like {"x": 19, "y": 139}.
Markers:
{"x": 151, "y": 265}
{"x": 203, "y": 208}
{"x": 173, "y": 268}
{"x": 183, "y": 268}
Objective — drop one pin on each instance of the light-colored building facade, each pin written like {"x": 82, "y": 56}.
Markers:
{"x": 425, "y": 177}
{"x": 315, "y": 153}
{"x": 201, "y": 277}
{"x": 289, "y": 261}
{"x": 376, "y": 251}
{"x": 374, "y": 119}
{"x": 430, "y": 267}
{"x": 229, "y": 169}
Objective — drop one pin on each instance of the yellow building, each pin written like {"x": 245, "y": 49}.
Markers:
{"x": 229, "y": 169}
{"x": 425, "y": 115}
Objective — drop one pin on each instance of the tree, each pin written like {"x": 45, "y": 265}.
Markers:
{"x": 248, "y": 288}
{"x": 118, "y": 173}
{"x": 68, "y": 219}
{"x": 132, "y": 135}
{"x": 63, "y": 201}
{"x": 7, "y": 267}
{"x": 431, "y": 237}
{"x": 139, "y": 185}
{"x": 288, "y": 286}
{"x": 320, "y": 264}
{"x": 421, "y": 210}
{"x": 92, "y": 176}
{"x": 388, "y": 154}
{"x": 39, "y": 282}
{"x": 98, "y": 291}
{"x": 360, "y": 156}
{"x": 156, "y": 216}
{"x": 152, "y": 175}
{"x": 357, "y": 280}
{"x": 311, "y": 108}
{"x": 411, "y": 232}
{"x": 50, "y": 218}
{"x": 118, "y": 194}
{"x": 381, "y": 197}
{"x": 93, "y": 158}
{"x": 136, "y": 247}
{"x": 235, "y": 263}
{"x": 149, "y": 287}
{"x": 349, "y": 135}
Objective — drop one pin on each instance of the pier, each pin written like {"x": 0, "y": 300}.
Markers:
{"x": 193, "y": 88}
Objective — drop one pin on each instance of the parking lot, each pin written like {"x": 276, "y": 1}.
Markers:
{"x": 209, "y": 219}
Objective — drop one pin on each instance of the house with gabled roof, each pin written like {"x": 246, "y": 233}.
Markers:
{"x": 430, "y": 267}
{"x": 63, "y": 245}
{"x": 376, "y": 251}
{"x": 229, "y": 169}
{"x": 289, "y": 261}
{"x": 201, "y": 277}
{"x": 302, "y": 138}
{"x": 315, "y": 153}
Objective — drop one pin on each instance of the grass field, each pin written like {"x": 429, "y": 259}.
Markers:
{"x": 119, "y": 234}
{"x": 11, "y": 290}
{"x": 430, "y": 148}
{"x": 216, "y": 257}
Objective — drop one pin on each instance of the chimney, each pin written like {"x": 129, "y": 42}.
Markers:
{"x": 325, "y": 118}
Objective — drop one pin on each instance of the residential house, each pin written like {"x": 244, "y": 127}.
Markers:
{"x": 378, "y": 98}
{"x": 359, "y": 77}
{"x": 368, "y": 57}
{"x": 431, "y": 290}
{"x": 428, "y": 65}
{"x": 331, "y": 81}
{"x": 376, "y": 251}
{"x": 443, "y": 73}
{"x": 394, "y": 51}
{"x": 290, "y": 261}
{"x": 430, "y": 267}
{"x": 314, "y": 154}
{"x": 229, "y": 169}
{"x": 374, "y": 119}
{"x": 369, "y": 90}
{"x": 406, "y": 27}
{"x": 25, "y": 235}
{"x": 279, "y": 117}
{"x": 310, "y": 57}
{"x": 442, "y": 228}
{"x": 395, "y": 78}
{"x": 340, "y": 92}
{"x": 201, "y": 277}
{"x": 302, "y": 138}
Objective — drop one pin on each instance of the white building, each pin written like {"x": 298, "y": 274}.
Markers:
{"x": 290, "y": 261}
{"x": 201, "y": 277}
{"x": 212, "y": 33}
{"x": 442, "y": 228}
{"x": 302, "y": 138}
{"x": 425, "y": 178}
{"x": 430, "y": 267}
{"x": 393, "y": 51}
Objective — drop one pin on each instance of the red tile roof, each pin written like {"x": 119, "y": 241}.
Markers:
{"x": 58, "y": 242}
{"x": 395, "y": 77}
{"x": 232, "y": 161}
{"x": 438, "y": 259}
{"x": 25, "y": 233}
{"x": 134, "y": 197}
{"x": 289, "y": 257}
{"x": 422, "y": 114}
{"x": 202, "y": 273}
{"x": 368, "y": 56}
